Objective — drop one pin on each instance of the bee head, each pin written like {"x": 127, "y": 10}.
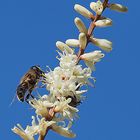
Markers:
{"x": 37, "y": 69}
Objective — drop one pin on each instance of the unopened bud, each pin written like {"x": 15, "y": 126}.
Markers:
{"x": 82, "y": 40}
{"x": 63, "y": 47}
{"x": 72, "y": 42}
{"x": 83, "y": 11}
{"x": 103, "y": 23}
{"x": 80, "y": 25}
{"x": 118, "y": 7}
{"x": 92, "y": 56}
{"x": 104, "y": 44}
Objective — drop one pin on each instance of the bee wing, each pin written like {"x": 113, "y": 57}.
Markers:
{"x": 14, "y": 98}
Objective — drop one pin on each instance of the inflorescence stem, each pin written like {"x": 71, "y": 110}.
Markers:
{"x": 42, "y": 137}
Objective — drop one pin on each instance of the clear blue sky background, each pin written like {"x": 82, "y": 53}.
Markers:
{"x": 28, "y": 32}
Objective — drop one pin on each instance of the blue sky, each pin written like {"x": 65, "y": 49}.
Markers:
{"x": 28, "y": 32}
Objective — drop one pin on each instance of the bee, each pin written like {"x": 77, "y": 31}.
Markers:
{"x": 28, "y": 83}
{"x": 74, "y": 101}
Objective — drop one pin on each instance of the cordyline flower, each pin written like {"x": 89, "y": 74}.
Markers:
{"x": 62, "y": 46}
{"x": 104, "y": 22}
{"x": 42, "y": 106}
{"x": 66, "y": 83}
{"x": 30, "y": 131}
{"x": 83, "y": 11}
{"x": 91, "y": 58}
{"x": 65, "y": 79}
{"x": 97, "y": 7}
{"x": 80, "y": 25}
{"x": 104, "y": 44}
{"x": 73, "y": 42}
{"x": 82, "y": 40}
{"x": 63, "y": 131}
{"x": 118, "y": 7}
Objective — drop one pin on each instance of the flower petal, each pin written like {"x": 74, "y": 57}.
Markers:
{"x": 63, "y": 131}
{"x": 80, "y": 25}
{"x": 83, "y": 11}
{"x": 118, "y": 7}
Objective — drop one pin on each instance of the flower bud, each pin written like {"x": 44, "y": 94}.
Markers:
{"x": 92, "y": 56}
{"x": 103, "y": 23}
{"x": 97, "y": 7}
{"x": 83, "y": 11}
{"x": 82, "y": 40}
{"x": 62, "y": 46}
{"x": 104, "y": 44}
{"x": 118, "y": 7}
{"x": 80, "y": 25}
{"x": 72, "y": 42}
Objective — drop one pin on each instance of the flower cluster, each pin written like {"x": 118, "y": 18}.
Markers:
{"x": 67, "y": 83}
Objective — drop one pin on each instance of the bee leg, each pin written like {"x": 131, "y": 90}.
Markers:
{"x": 42, "y": 86}
{"x": 27, "y": 97}
{"x": 27, "y": 101}
{"x": 32, "y": 96}
{"x": 30, "y": 93}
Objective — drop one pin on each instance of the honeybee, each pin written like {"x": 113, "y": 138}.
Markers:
{"x": 28, "y": 82}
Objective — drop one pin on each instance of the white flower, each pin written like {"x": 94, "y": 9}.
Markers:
{"x": 83, "y": 75}
{"x": 97, "y": 7}
{"x": 118, "y": 7}
{"x": 72, "y": 42}
{"x": 22, "y": 133}
{"x": 63, "y": 47}
{"x": 63, "y": 131}
{"x": 80, "y": 25}
{"x": 36, "y": 128}
{"x": 83, "y": 11}
{"x": 103, "y": 22}
{"x": 43, "y": 126}
{"x": 63, "y": 80}
{"x": 67, "y": 60}
{"x": 91, "y": 58}
{"x": 82, "y": 40}
{"x": 41, "y": 105}
{"x": 59, "y": 81}
{"x": 104, "y": 44}
{"x": 63, "y": 107}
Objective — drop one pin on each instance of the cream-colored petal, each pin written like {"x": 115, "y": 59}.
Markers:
{"x": 72, "y": 42}
{"x": 104, "y": 44}
{"x": 22, "y": 134}
{"x": 62, "y": 131}
{"x": 103, "y": 22}
{"x": 118, "y": 7}
{"x": 62, "y": 46}
{"x": 83, "y": 11}
{"x": 80, "y": 25}
{"x": 82, "y": 40}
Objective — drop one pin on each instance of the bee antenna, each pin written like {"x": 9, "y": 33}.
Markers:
{"x": 12, "y": 100}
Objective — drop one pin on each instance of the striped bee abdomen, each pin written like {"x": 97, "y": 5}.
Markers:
{"x": 21, "y": 90}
